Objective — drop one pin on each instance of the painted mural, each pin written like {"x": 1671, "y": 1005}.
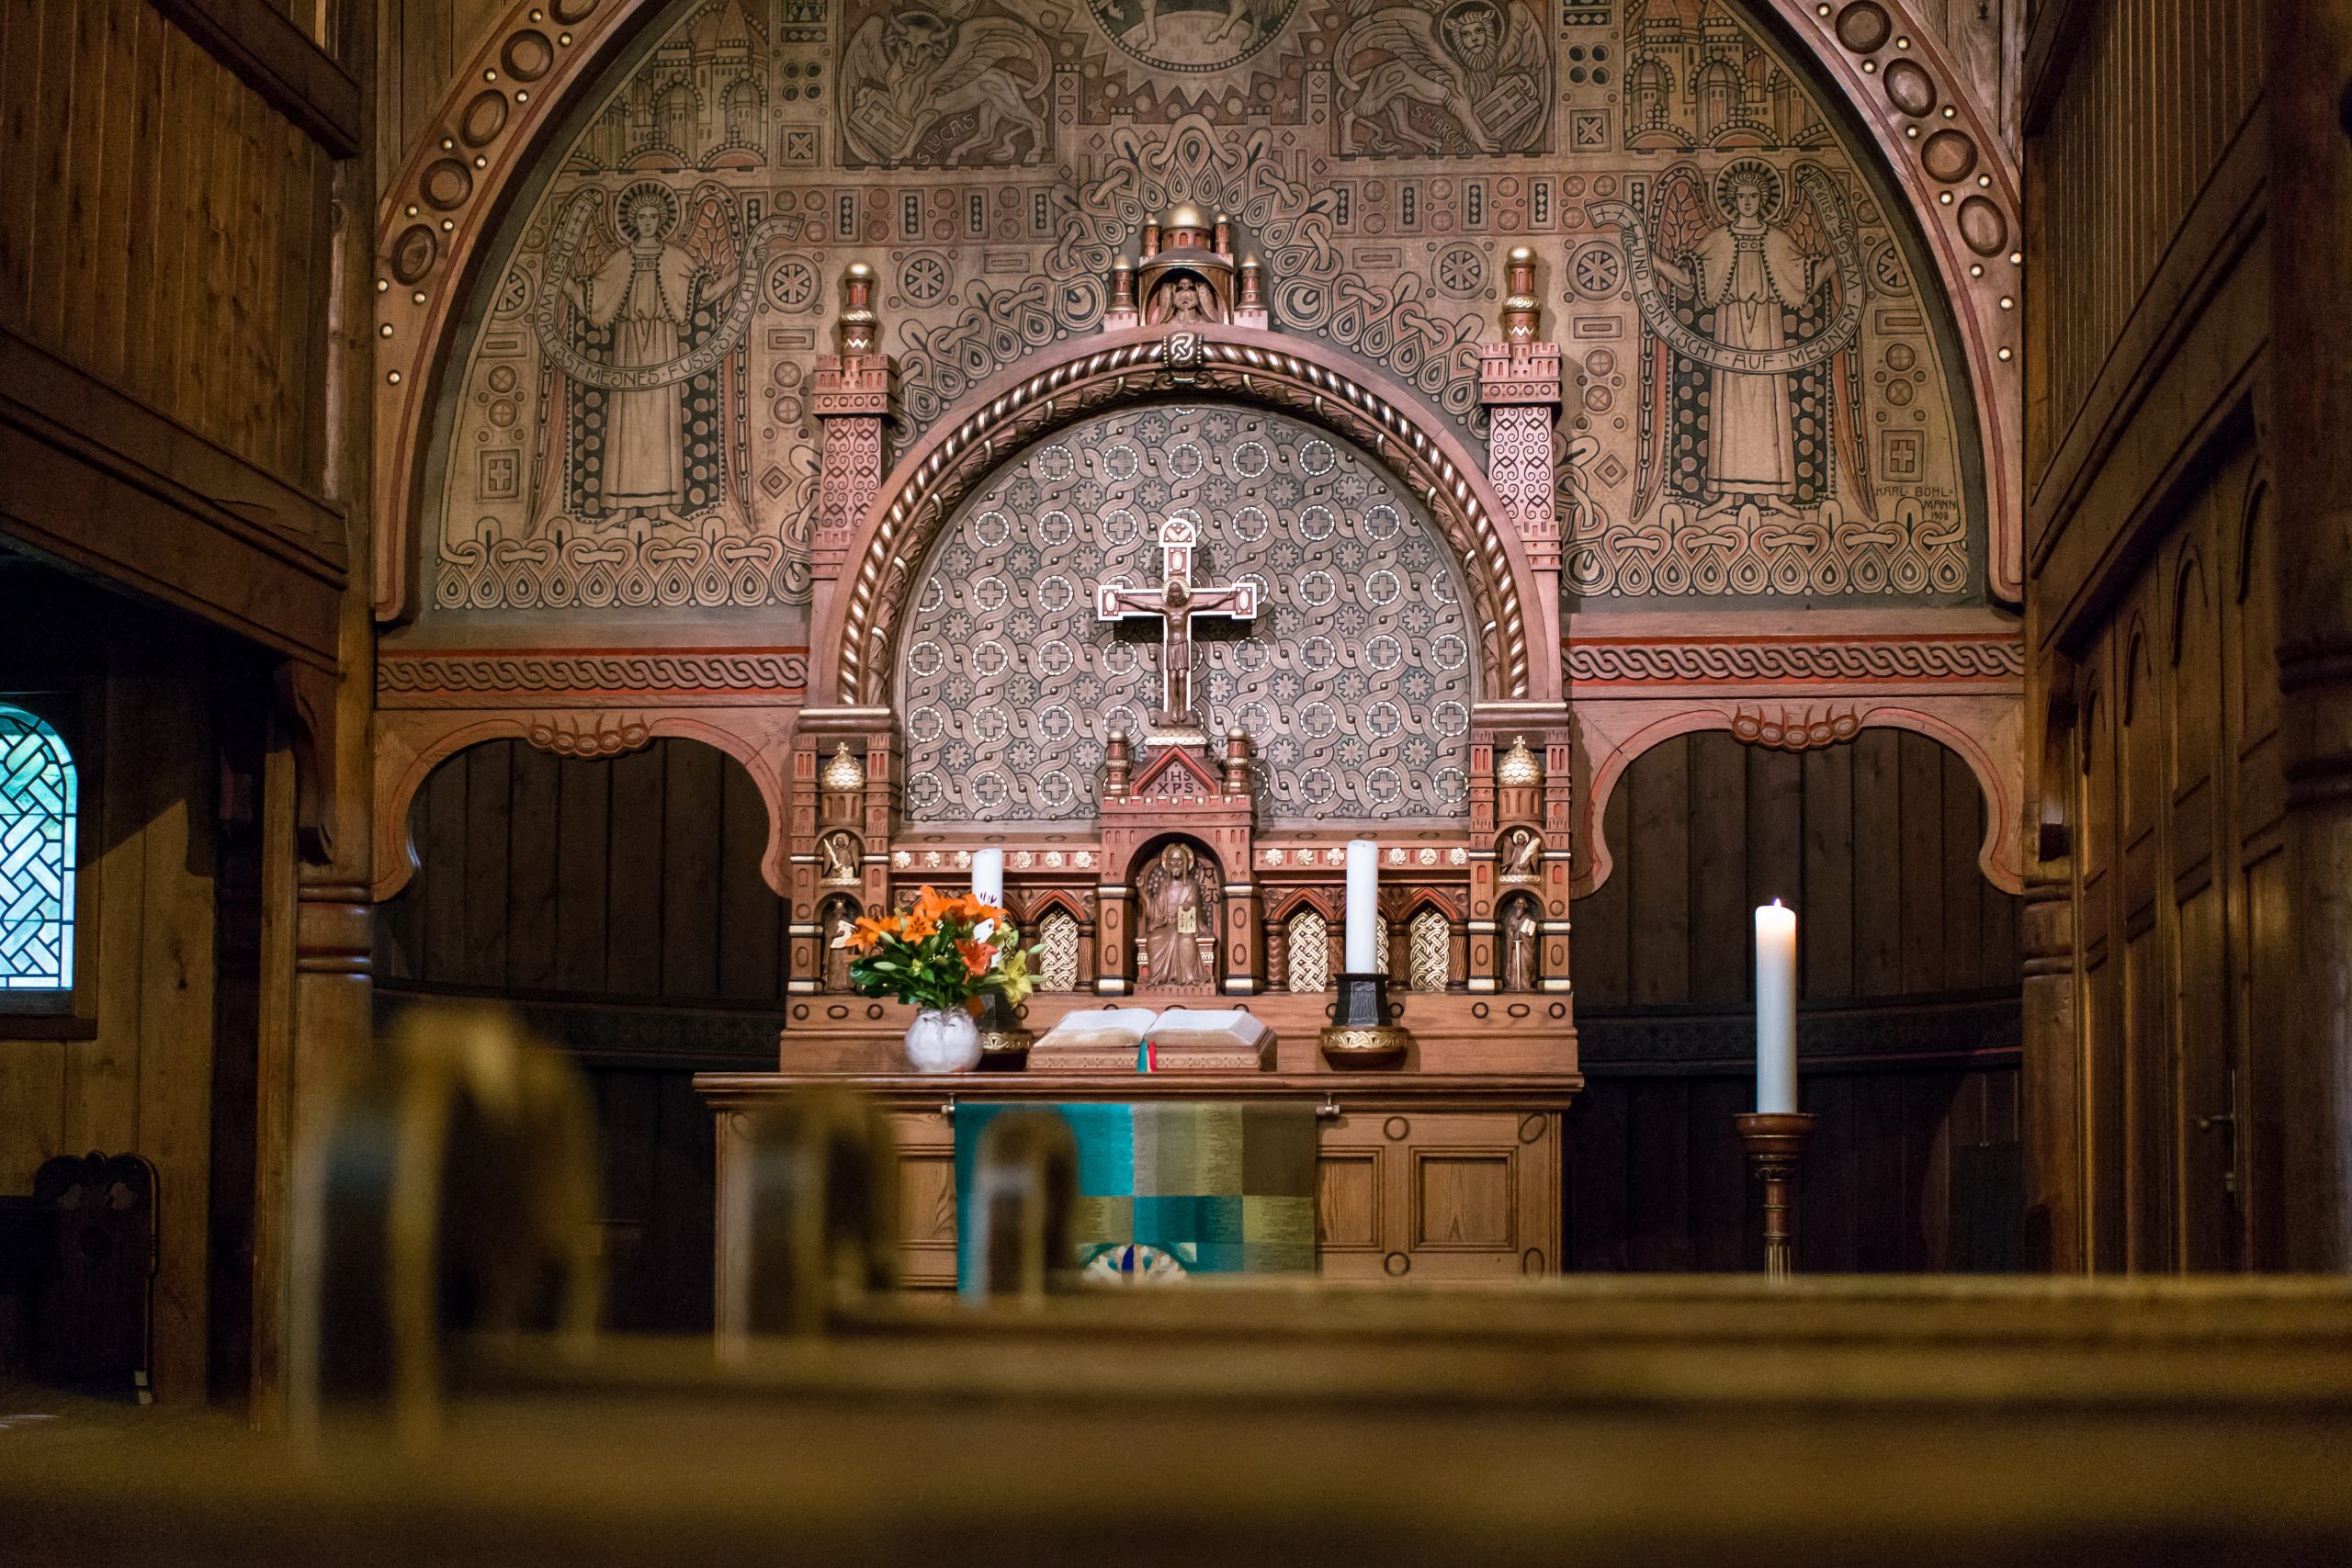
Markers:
{"x": 1758, "y": 401}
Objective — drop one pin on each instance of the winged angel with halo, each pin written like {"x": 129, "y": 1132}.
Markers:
{"x": 910, "y": 73}
{"x": 648, "y": 301}
{"x": 1752, "y": 296}
{"x": 1480, "y": 65}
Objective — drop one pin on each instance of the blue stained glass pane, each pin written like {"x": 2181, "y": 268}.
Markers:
{"x": 39, "y": 800}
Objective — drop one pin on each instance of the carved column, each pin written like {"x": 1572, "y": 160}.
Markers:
{"x": 2308, "y": 54}
{"x": 1519, "y": 380}
{"x": 2051, "y": 1086}
{"x": 855, "y": 386}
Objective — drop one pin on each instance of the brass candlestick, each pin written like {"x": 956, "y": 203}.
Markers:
{"x": 1364, "y": 1031}
{"x": 1004, "y": 1041}
{"x": 1775, "y": 1141}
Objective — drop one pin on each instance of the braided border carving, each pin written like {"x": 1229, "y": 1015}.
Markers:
{"x": 634, "y": 672}
{"x": 1951, "y": 659}
{"x": 1067, "y": 392}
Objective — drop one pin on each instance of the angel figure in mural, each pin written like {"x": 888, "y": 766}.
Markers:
{"x": 933, "y": 73}
{"x": 1176, "y": 912}
{"x": 1481, "y": 64}
{"x": 1751, "y": 296}
{"x": 643, "y": 323}
{"x": 1183, "y": 300}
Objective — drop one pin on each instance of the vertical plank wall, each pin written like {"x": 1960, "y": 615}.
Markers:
{"x": 142, "y": 701}
{"x": 620, "y": 903}
{"x": 1908, "y": 968}
{"x": 162, "y": 228}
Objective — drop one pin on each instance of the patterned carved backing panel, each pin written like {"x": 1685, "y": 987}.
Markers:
{"x": 1309, "y": 952}
{"x": 629, "y": 424}
{"x": 1355, "y": 680}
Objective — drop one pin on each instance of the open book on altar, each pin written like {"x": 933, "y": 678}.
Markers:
{"x": 1113, "y": 1039}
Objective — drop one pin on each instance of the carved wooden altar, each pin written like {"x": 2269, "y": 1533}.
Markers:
{"x": 1333, "y": 624}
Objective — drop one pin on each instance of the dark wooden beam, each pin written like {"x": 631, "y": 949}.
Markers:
{"x": 278, "y": 60}
{"x": 2059, "y": 28}
{"x": 104, "y": 484}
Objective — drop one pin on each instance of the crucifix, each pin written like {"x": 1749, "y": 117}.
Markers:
{"x": 1176, "y": 602}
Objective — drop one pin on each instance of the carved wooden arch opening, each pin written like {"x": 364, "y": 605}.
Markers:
{"x": 1049, "y": 393}
{"x": 570, "y": 733}
{"x": 489, "y": 138}
{"x": 1997, "y": 767}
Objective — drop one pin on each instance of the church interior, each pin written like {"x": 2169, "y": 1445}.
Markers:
{"x": 1414, "y": 779}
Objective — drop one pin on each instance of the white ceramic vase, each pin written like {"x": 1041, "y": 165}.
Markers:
{"x": 943, "y": 1040}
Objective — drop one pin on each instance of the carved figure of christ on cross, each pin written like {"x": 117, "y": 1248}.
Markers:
{"x": 1176, "y": 602}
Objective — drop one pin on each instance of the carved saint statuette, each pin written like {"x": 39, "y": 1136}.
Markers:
{"x": 1518, "y": 946}
{"x": 840, "y": 859}
{"x": 1520, "y": 852}
{"x": 1176, "y": 916}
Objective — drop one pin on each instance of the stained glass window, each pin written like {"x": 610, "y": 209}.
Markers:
{"x": 38, "y": 792}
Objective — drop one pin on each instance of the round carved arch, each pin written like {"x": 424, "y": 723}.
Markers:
{"x": 1982, "y": 731}
{"x": 479, "y": 150}
{"x": 859, "y": 621}
{"x": 417, "y": 741}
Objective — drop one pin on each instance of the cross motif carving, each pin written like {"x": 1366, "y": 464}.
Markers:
{"x": 1176, "y": 602}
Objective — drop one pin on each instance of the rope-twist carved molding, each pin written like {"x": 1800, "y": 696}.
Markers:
{"x": 1856, "y": 658}
{"x": 1065, "y": 392}
{"x": 631, "y": 672}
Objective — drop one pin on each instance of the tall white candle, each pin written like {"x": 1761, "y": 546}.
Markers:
{"x": 987, "y": 877}
{"x": 1776, "y": 1008}
{"x": 1363, "y": 904}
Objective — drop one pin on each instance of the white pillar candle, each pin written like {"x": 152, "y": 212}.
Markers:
{"x": 987, "y": 877}
{"x": 1363, "y": 904}
{"x": 1776, "y": 1008}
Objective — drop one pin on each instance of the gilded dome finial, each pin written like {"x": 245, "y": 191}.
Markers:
{"x": 1519, "y": 765}
{"x": 844, "y": 772}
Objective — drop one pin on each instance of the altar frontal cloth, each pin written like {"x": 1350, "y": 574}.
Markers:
{"x": 1203, "y": 1188}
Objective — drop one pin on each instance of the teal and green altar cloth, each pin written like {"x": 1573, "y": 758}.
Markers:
{"x": 1201, "y": 1187}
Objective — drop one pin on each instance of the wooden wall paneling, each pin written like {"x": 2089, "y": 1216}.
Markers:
{"x": 111, "y": 246}
{"x": 148, "y": 148}
{"x": 680, "y": 1247}
{"x": 1659, "y": 917}
{"x": 441, "y": 844}
{"x": 1720, "y": 1202}
{"x": 2200, "y": 953}
{"x": 633, "y": 932}
{"x": 1599, "y": 1177}
{"x": 692, "y": 827}
{"x": 1962, "y": 828}
{"x": 751, "y": 917}
{"x": 583, "y": 876}
{"x": 1722, "y": 922}
{"x": 174, "y": 973}
{"x": 1657, "y": 1208}
{"x": 1877, "y": 860}
{"x": 489, "y": 840}
{"x": 534, "y": 827}
{"x": 1775, "y": 848}
{"x": 628, "y": 1125}
{"x": 2102, "y": 967}
{"x": 20, "y": 57}
{"x": 1920, "y": 852}
{"x": 33, "y": 1087}
{"x": 1826, "y": 934}
{"x": 52, "y": 100}
{"x": 2257, "y": 913}
{"x": 1603, "y": 963}
{"x": 2150, "y": 1086}
{"x": 1829, "y": 1199}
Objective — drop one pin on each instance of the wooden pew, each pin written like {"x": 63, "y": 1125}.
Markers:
{"x": 1628, "y": 1421}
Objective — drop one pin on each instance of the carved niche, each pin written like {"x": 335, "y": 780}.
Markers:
{"x": 1354, "y": 682}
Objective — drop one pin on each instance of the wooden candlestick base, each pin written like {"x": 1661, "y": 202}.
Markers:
{"x": 1775, "y": 1141}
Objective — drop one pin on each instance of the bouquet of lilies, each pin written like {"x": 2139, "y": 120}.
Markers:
{"x": 942, "y": 953}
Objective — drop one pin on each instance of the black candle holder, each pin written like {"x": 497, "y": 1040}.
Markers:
{"x": 1004, "y": 1042}
{"x": 1364, "y": 1031}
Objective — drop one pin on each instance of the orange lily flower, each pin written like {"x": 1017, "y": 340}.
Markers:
{"x": 978, "y": 957}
